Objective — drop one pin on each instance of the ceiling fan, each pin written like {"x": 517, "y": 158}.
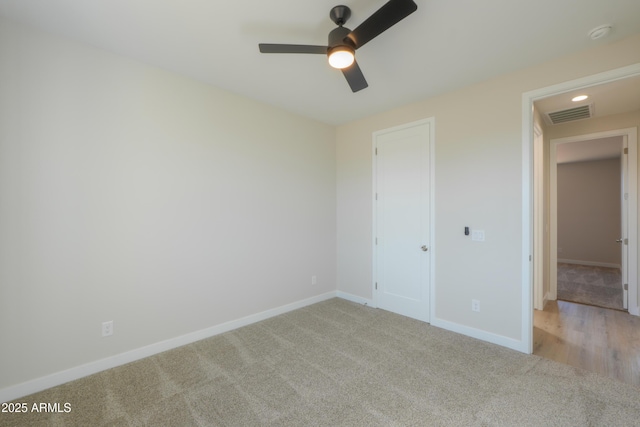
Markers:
{"x": 343, "y": 42}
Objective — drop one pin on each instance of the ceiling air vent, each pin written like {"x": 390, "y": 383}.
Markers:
{"x": 571, "y": 114}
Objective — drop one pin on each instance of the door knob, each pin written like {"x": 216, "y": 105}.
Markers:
{"x": 425, "y": 248}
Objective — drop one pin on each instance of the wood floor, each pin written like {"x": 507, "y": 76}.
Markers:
{"x": 593, "y": 338}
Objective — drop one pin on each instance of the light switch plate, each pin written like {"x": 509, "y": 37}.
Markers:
{"x": 477, "y": 235}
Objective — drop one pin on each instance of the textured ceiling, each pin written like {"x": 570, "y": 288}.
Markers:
{"x": 444, "y": 45}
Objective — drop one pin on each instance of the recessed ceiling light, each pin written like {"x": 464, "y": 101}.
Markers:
{"x": 579, "y": 98}
{"x": 599, "y": 32}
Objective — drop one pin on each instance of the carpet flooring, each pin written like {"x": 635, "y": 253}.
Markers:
{"x": 337, "y": 363}
{"x": 585, "y": 284}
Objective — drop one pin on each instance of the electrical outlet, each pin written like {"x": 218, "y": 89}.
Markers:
{"x": 475, "y": 305}
{"x": 107, "y": 328}
{"x": 314, "y": 280}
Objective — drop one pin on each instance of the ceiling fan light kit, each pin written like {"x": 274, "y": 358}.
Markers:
{"x": 343, "y": 42}
{"x": 341, "y": 56}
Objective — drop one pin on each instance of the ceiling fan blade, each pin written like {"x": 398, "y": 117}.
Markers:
{"x": 384, "y": 18}
{"x": 354, "y": 77}
{"x": 292, "y": 48}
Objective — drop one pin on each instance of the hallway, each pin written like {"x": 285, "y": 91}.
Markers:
{"x": 591, "y": 285}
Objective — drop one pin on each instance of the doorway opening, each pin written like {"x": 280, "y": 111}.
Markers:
{"x": 531, "y": 237}
{"x": 584, "y": 334}
{"x": 588, "y": 218}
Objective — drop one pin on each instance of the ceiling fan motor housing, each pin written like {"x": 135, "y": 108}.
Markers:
{"x": 337, "y": 37}
{"x": 338, "y": 41}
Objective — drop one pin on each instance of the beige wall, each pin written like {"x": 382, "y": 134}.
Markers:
{"x": 589, "y": 211}
{"x": 131, "y": 194}
{"x": 478, "y": 183}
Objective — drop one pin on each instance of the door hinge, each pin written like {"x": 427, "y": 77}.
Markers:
{"x": 529, "y": 257}
{"x": 626, "y": 150}
{"x": 625, "y": 286}
{"x": 376, "y": 151}
{"x": 626, "y": 241}
{"x": 376, "y": 196}
{"x": 376, "y": 240}
{"x": 376, "y": 286}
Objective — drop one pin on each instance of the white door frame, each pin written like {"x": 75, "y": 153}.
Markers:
{"x": 631, "y": 135}
{"x": 540, "y": 298}
{"x": 528, "y": 98}
{"x": 432, "y": 229}
{"x": 625, "y": 209}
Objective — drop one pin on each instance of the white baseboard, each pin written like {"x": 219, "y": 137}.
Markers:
{"x": 33, "y": 386}
{"x": 455, "y": 327}
{"x": 356, "y": 299}
{"x": 58, "y": 378}
{"x": 545, "y": 300}
{"x": 501, "y": 340}
{"x": 590, "y": 263}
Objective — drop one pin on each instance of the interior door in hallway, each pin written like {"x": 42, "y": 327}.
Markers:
{"x": 402, "y": 219}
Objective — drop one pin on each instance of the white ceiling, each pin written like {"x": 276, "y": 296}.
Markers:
{"x": 444, "y": 45}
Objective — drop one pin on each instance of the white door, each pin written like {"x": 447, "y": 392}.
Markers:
{"x": 402, "y": 245}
